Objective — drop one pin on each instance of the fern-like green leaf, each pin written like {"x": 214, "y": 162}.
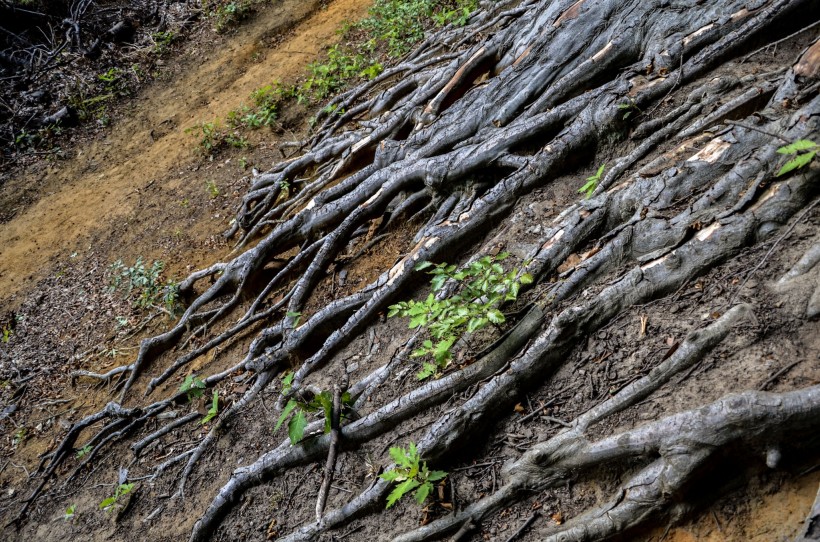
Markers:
{"x": 423, "y": 491}
{"x": 797, "y": 162}
{"x": 797, "y": 146}
{"x": 399, "y": 491}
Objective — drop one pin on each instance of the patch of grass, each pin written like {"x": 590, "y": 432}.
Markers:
{"x": 229, "y": 13}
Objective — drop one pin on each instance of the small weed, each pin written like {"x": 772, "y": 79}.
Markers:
{"x": 803, "y": 150}
{"x": 110, "y": 503}
{"x": 7, "y": 332}
{"x": 592, "y": 182}
{"x": 163, "y": 41}
{"x": 227, "y": 14}
{"x": 193, "y": 386}
{"x": 410, "y": 473}
{"x": 629, "y": 108}
{"x": 297, "y": 410}
{"x": 84, "y": 451}
{"x": 212, "y": 188}
{"x": 144, "y": 285}
{"x": 19, "y": 437}
{"x": 211, "y": 136}
{"x": 484, "y": 286}
{"x": 69, "y": 512}
{"x": 243, "y": 163}
{"x": 114, "y": 83}
{"x": 213, "y": 411}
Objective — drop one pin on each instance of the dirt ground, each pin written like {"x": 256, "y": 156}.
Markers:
{"x": 141, "y": 190}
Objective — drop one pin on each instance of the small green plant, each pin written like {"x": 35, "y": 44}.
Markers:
{"x": 19, "y": 437}
{"x": 227, "y": 14}
{"x": 297, "y": 410}
{"x": 7, "y": 332}
{"x": 193, "y": 386}
{"x": 243, "y": 162}
{"x": 113, "y": 81}
{"x": 69, "y": 512}
{"x": 145, "y": 286}
{"x": 629, "y": 108}
{"x": 484, "y": 286}
{"x": 803, "y": 151}
{"x": 163, "y": 41}
{"x": 84, "y": 451}
{"x": 213, "y": 411}
{"x": 592, "y": 182}
{"x": 213, "y": 189}
{"x": 110, "y": 503}
{"x": 410, "y": 473}
{"x": 211, "y": 136}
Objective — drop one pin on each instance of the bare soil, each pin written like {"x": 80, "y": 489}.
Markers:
{"x": 140, "y": 190}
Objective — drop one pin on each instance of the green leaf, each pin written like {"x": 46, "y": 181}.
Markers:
{"x": 107, "y": 503}
{"x": 213, "y": 411}
{"x": 417, "y": 321}
{"x": 436, "y": 475}
{"x": 423, "y": 491}
{"x": 285, "y": 412}
{"x": 287, "y": 381}
{"x": 391, "y": 475}
{"x": 422, "y": 266}
{"x": 427, "y": 370}
{"x": 393, "y": 310}
{"x": 797, "y": 162}
{"x": 797, "y": 146}
{"x": 400, "y": 490}
{"x": 296, "y": 427}
{"x": 438, "y": 282}
{"x": 125, "y": 489}
{"x": 526, "y": 278}
{"x": 495, "y": 316}
{"x": 399, "y": 456}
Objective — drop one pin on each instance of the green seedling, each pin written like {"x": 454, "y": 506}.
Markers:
{"x": 213, "y": 411}
{"x": 193, "y": 387}
{"x": 110, "y": 503}
{"x": 84, "y": 451}
{"x": 69, "y": 512}
{"x": 592, "y": 182}
{"x": 410, "y": 474}
{"x": 296, "y": 410}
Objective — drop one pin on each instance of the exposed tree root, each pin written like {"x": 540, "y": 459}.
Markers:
{"x": 451, "y": 138}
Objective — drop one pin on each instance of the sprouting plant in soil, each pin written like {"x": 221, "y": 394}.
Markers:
{"x": 410, "y": 473}
{"x": 297, "y": 409}
{"x": 482, "y": 286}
